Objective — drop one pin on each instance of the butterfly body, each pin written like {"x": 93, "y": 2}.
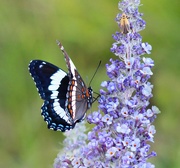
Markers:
{"x": 66, "y": 97}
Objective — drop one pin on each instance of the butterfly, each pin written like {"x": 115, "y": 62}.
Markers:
{"x": 66, "y": 97}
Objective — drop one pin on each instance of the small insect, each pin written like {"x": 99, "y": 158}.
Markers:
{"x": 124, "y": 24}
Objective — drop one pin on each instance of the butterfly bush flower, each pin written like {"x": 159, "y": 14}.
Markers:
{"x": 124, "y": 126}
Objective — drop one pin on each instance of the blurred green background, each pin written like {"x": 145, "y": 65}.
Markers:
{"x": 28, "y": 30}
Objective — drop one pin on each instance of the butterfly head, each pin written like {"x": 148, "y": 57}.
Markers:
{"x": 90, "y": 96}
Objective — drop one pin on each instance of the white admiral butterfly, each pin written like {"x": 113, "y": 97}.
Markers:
{"x": 66, "y": 97}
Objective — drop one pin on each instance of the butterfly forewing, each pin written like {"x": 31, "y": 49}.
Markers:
{"x": 48, "y": 79}
{"x": 79, "y": 97}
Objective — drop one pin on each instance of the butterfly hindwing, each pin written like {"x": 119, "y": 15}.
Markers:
{"x": 55, "y": 116}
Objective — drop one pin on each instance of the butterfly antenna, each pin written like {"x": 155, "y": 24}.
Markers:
{"x": 95, "y": 98}
{"x": 95, "y": 72}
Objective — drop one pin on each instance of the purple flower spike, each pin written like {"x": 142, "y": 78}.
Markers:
{"x": 123, "y": 125}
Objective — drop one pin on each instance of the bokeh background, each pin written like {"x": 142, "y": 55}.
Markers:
{"x": 28, "y": 30}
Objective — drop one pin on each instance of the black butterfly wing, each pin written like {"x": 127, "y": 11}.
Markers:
{"x": 55, "y": 117}
{"x": 52, "y": 84}
{"x": 49, "y": 79}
